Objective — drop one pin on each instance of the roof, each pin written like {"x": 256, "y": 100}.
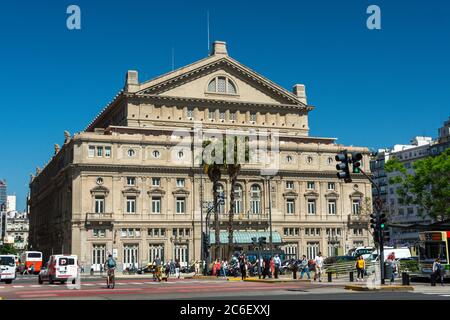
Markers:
{"x": 245, "y": 237}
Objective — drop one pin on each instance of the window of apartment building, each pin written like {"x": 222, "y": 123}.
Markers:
{"x": 332, "y": 207}
{"x": 255, "y": 199}
{"x": 410, "y": 210}
{"x": 131, "y": 233}
{"x": 311, "y": 206}
{"x": 356, "y": 206}
{"x": 190, "y": 113}
{"x": 156, "y": 182}
{"x": 286, "y": 231}
{"x": 131, "y": 204}
{"x": 180, "y": 205}
{"x": 99, "y": 233}
{"x": 252, "y": 116}
{"x": 401, "y": 211}
{"x": 211, "y": 114}
{"x": 131, "y": 181}
{"x": 91, "y": 151}
{"x": 290, "y": 206}
{"x": 289, "y": 159}
{"x": 156, "y": 232}
{"x": 233, "y": 116}
{"x": 180, "y": 182}
{"x": 318, "y": 231}
{"x": 222, "y": 115}
{"x": 131, "y": 153}
{"x": 296, "y": 231}
{"x": 107, "y": 152}
{"x": 331, "y": 186}
{"x": 310, "y": 185}
{"x": 238, "y": 199}
{"x": 156, "y": 205}
{"x": 290, "y": 185}
{"x": 99, "y": 204}
{"x": 99, "y": 151}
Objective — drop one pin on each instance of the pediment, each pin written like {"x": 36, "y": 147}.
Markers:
{"x": 290, "y": 194}
{"x": 311, "y": 194}
{"x": 193, "y": 83}
{"x": 131, "y": 191}
{"x": 156, "y": 191}
{"x": 181, "y": 192}
{"x": 356, "y": 194}
{"x": 99, "y": 190}
{"x": 332, "y": 195}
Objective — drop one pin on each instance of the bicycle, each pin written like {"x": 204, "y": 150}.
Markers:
{"x": 110, "y": 279}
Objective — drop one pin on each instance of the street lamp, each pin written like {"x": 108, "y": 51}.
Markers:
{"x": 268, "y": 178}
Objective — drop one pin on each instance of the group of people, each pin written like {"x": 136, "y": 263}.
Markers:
{"x": 171, "y": 268}
{"x": 304, "y": 265}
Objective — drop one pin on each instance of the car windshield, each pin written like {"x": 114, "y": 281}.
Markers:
{"x": 363, "y": 251}
{"x": 7, "y": 261}
{"x": 432, "y": 250}
{"x": 34, "y": 255}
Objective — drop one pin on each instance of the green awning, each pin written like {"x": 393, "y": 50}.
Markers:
{"x": 244, "y": 237}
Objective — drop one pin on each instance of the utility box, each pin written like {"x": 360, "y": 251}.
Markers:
{"x": 388, "y": 270}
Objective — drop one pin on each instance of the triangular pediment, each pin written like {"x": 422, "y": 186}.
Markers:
{"x": 193, "y": 83}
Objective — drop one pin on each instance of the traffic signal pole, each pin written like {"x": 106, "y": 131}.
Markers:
{"x": 379, "y": 208}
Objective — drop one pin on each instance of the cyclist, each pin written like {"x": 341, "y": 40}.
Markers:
{"x": 110, "y": 265}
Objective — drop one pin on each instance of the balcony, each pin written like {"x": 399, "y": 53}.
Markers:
{"x": 244, "y": 220}
{"x": 358, "y": 220}
{"x": 99, "y": 218}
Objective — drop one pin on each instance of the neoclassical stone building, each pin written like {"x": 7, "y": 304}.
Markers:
{"x": 129, "y": 185}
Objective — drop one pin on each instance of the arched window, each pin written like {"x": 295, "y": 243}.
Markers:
{"x": 255, "y": 199}
{"x": 237, "y": 199}
{"x": 221, "y": 195}
{"x": 221, "y": 84}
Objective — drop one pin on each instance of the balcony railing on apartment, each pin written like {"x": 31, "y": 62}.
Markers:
{"x": 99, "y": 218}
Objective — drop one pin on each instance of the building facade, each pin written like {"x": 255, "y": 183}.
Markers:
{"x": 17, "y": 227}
{"x": 130, "y": 183}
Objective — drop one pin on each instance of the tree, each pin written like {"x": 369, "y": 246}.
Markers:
{"x": 427, "y": 187}
{"x": 8, "y": 249}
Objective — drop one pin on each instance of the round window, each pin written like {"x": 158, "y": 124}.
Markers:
{"x": 156, "y": 154}
{"x": 131, "y": 153}
{"x": 99, "y": 181}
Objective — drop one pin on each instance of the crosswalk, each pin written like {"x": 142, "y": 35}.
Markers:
{"x": 440, "y": 291}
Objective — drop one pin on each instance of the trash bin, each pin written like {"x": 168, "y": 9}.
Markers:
{"x": 350, "y": 274}
{"x": 405, "y": 279}
{"x": 329, "y": 276}
{"x": 388, "y": 271}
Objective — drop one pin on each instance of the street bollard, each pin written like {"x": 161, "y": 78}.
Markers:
{"x": 351, "y": 276}
{"x": 329, "y": 276}
{"x": 405, "y": 279}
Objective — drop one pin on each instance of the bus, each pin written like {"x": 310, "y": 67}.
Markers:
{"x": 29, "y": 258}
{"x": 432, "y": 245}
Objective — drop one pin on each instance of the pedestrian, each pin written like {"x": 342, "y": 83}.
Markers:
{"x": 243, "y": 266}
{"x": 360, "y": 267}
{"x": 393, "y": 264}
{"x": 272, "y": 267}
{"x": 266, "y": 270}
{"x": 177, "y": 269}
{"x": 277, "y": 262}
{"x": 224, "y": 268}
{"x": 438, "y": 272}
{"x": 167, "y": 270}
{"x": 172, "y": 267}
{"x": 319, "y": 267}
{"x": 304, "y": 267}
{"x": 32, "y": 269}
{"x": 294, "y": 267}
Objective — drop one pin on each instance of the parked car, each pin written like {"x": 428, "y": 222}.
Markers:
{"x": 59, "y": 268}
{"x": 7, "y": 268}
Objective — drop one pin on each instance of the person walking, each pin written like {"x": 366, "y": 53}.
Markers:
{"x": 172, "y": 267}
{"x": 266, "y": 270}
{"x": 319, "y": 267}
{"x": 224, "y": 268}
{"x": 177, "y": 269}
{"x": 277, "y": 262}
{"x": 393, "y": 264}
{"x": 272, "y": 267}
{"x": 243, "y": 266}
{"x": 360, "y": 267}
{"x": 438, "y": 272}
{"x": 294, "y": 267}
{"x": 304, "y": 267}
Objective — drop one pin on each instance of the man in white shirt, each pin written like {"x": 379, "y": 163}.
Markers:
{"x": 277, "y": 262}
{"x": 319, "y": 266}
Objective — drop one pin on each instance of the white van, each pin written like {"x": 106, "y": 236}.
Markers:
{"x": 7, "y": 268}
{"x": 59, "y": 268}
{"x": 400, "y": 253}
{"x": 365, "y": 252}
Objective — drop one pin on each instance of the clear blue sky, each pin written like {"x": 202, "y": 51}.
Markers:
{"x": 388, "y": 84}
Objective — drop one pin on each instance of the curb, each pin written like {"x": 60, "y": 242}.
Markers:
{"x": 278, "y": 280}
{"x": 380, "y": 288}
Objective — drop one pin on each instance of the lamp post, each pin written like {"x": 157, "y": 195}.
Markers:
{"x": 268, "y": 178}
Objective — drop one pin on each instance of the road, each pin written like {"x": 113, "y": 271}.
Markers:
{"x": 137, "y": 288}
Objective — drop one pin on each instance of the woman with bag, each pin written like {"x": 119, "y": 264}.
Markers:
{"x": 360, "y": 267}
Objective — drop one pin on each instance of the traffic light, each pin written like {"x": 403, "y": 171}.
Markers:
{"x": 262, "y": 240}
{"x": 383, "y": 221}
{"x": 374, "y": 221}
{"x": 343, "y": 166}
{"x": 356, "y": 160}
{"x": 255, "y": 241}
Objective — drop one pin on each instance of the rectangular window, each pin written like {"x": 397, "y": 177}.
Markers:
{"x": 290, "y": 206}
{"x": 311, "y": 206}
{"x": 222, "y": 115}
{"x": 332, "y": 207}
{"x": 123, "y": 233}
{"x": 285, "y": 231}
{"x": 180, "y": 182}
{"x": 156, "y": 205}
{"x": 107, "y": 152}
{"x": 99, "y": 204}
{"x": 356, "y": 206}
{"x": 99, "y": 151}
{"x": 175, "y": 232}
{"x": 233, "y": 116}
{"x": 186, "y": 232}
{"x": 156, "y": 182}
{"x": 95, "y": 233}
{"x": 296, "y": 230}
{"x": 131, "y": 204}
{"x": 131, "y": 181}
{"x": 252, "y": 117}
{"x": 331, "y": 186}
{"x": 289, "y": 184}
{"x": 163, "y": 232}
{"x": 91, "y": 151}
{"x": 180, "y": 205}
{"x": 318, "y": 231}
{"x": 137, "y": 233}
{"x": 190, "y": 113}
{"x": 211, "y": 115}
{"x": 310, "y": 185}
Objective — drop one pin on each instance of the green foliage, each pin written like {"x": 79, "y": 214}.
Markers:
{"x": 7, "y": 249}
{"x": 429, "y": 185}
{"x": 409, "y": 266}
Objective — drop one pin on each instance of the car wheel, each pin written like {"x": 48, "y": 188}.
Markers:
{"x": 40, "y": 280}
{"x": 9, "y": 281}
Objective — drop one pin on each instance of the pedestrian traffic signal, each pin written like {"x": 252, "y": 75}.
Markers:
{"x": 373, "y": 220}
{"x": 383, "y": 220}
{"x": 356, "y": 160}
{"x": 343, "y": 166}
